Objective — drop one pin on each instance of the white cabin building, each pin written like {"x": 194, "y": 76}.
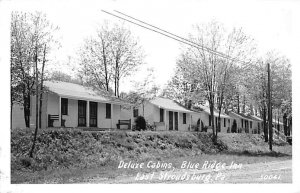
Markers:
{"x": 165, "y": 114}
{"x": 67, "y": 104}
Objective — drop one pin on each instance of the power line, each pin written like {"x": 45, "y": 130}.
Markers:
{"x": 207, "y": 49}
{"x": 169, "y": 35}
{"x": 151, "y": 29}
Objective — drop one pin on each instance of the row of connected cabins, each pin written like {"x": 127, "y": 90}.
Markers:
{"x": 72, "y": 105}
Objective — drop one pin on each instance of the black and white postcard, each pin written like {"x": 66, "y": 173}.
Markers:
{"x": 198, "y": 93}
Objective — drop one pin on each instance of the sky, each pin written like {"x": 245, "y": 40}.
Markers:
{"x": 270, "y": 23}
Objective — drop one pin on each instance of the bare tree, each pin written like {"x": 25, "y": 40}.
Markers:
{"x": 96, "y": 60}
{"x": 31, "y": 41}
{"x": 110, "y": 56}
{"x": 212, "y": 72}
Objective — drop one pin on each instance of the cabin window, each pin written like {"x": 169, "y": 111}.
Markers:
{"x": 161, "y": 115}
{"x": 64, "y": 106}
{"x": 135, "y": 112}
{"x": 251, "y": 124}
{"x": 242, "y": 123}
{"x": 224, "y": 122}
{"x": 184, "y": 118}
{"x": 108, "y": 111}
{"x": 209, "y": 120}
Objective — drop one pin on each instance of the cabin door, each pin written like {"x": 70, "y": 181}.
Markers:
{"x": 176, "y": 120}
{"x": 81, "y": 113}
{"x": 246, "y": 126}
{"x": 93, "y": 114}
{"x": 170, "y": 120}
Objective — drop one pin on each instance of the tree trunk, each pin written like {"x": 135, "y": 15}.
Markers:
{"x": 285, "y": 124}
{"x": 115, "y": 86}
{"x": 37, "y": 106}
{"x": 244, "y": 104}
{"x": 219, "y": 116}
{"x": 278, "y": 126}
{"x": 42, "y": 88}
{"x": 189, "y": 104}
{"x": 290, "y": 127}
{"x": 40, "y": 106}
{"x": 11, "y": 107}
{"x": 118, "y": 86}
{"x": 116, "y": 76}
{"x": 265, "y": 124}
{"x": 270, "y": 109}
{"x": 26, "y": 105}
{"x": 211, "y": 108}
{"x": 105, "y": 66}
{"x": 238, "y": 101}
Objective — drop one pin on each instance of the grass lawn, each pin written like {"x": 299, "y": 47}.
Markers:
{"x": 111, "y": 171}
{"x": 68, "y": 156}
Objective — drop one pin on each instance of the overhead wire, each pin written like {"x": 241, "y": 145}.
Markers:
{"x": 170, "y": 35}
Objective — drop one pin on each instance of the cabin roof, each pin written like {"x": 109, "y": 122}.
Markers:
{"x": 206, "y": 110}
{"x": 256, "y": 118}
{"x": 80, "y": 92}
{"x": 169, "y": 104}
{"x": 243, "y": 116}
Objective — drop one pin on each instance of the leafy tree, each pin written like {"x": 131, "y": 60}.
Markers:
{"x": 182, "y": 88}
{"x": 32, "y": 37}
{"x": 22, "y": 74}
{"x": 145, "y": 90}
{"x": 61, "y": 76}
{"x": 255, "y": 81}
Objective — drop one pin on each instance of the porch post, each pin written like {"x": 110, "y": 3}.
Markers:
{"x": 88, "y": 113}
{"x": 59, "y": 111}
{"x": 112, "y": 116}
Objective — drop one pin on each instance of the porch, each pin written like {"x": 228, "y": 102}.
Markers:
{"x": 64, "y": 111}
{"x": 172, "y": 120}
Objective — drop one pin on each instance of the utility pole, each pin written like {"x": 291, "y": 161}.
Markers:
{"x": 270, "y": 109}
